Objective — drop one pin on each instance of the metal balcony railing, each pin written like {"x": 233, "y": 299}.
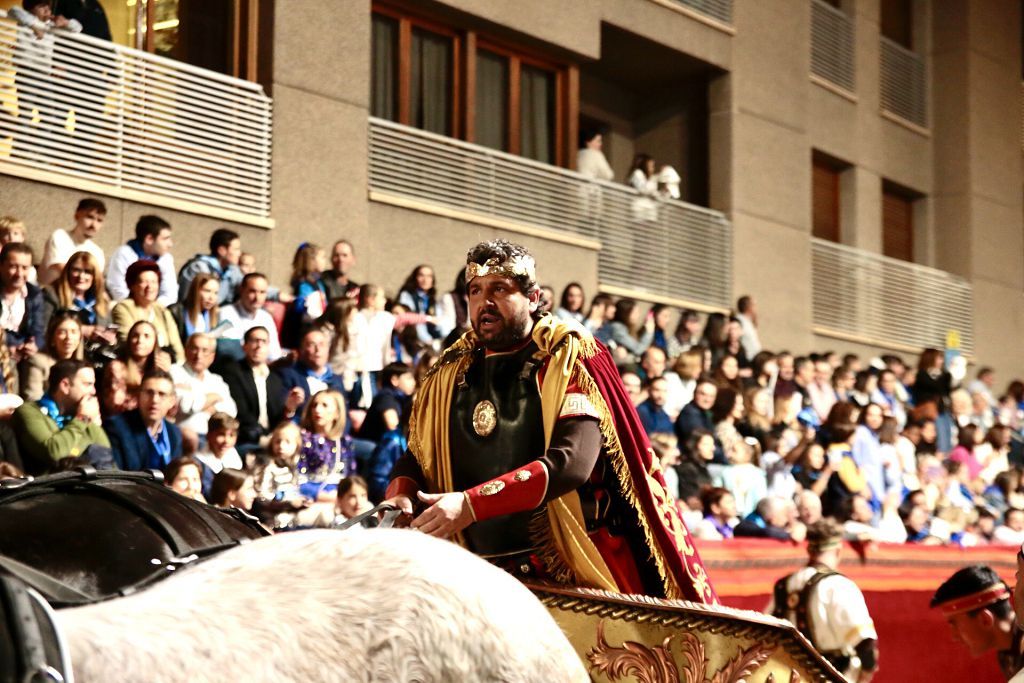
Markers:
{"x": 132, "y": 124}
{"x": 662, "y": 247}
{"x": 832, "y": 45}
{"x": 904, "y": 90}
{"x": 880, "y": 300}
{"x": 719, "y": 10}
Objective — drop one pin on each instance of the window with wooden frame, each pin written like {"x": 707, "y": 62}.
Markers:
{"x": 897, "y": 222}
{"x": 464, "y": 85}
{"x": 825, "y": 200}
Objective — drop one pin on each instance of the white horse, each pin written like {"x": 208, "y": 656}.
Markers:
{"x": 382, "y": 605}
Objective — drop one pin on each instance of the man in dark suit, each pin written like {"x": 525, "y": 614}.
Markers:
{"x": 143, "y": 439}
{"x": 259, "y": 394}
{"x": 310, "y": 373}
{"x": 697, "y": 414}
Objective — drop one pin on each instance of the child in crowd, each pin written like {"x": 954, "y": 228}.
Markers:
{"x": 326, "y": 454}
{"x": 220, "y": 450}
{"x": 247, "y": 263}
{"x": 233, "y": 489}
{"x": 184, "y": 476}
{"x": 352, "y": 501}
{"x": 277, "y": 480}
{"x": 13, "y": 230}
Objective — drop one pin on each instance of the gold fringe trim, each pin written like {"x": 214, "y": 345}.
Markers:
{"x": 546, "y": 551}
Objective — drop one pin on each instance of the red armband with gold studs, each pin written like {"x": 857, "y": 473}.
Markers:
{"x": 521, "y": 489}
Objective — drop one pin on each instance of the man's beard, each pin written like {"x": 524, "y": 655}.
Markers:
{"x": 512, "y": 330}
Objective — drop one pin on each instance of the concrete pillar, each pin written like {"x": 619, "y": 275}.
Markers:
{"x": 860, "y": 218}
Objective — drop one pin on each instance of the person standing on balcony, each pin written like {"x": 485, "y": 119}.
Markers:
{"x": 153, "y": 243}
{"x": 225, "y": 250}
{"x": 590, "y": 160}
{"x": 89, "y": 217}
{"x": 88, "y": 13}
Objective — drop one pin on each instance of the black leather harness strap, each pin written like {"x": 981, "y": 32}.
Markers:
{"x": 39, "y": 655}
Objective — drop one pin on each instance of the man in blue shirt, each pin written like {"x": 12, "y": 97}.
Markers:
{"x": 143, "y": 439}
{"x": 652, "y": 411}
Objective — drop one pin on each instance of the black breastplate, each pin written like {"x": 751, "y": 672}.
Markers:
{"x": 509, "y": 382}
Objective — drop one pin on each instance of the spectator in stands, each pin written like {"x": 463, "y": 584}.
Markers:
{"x": 746, "y": 315}
{"x": 453, "y": 310}
{"x": 652, "y": 363}
{"x": 727, "y": 374}
{"x": 968, "y": 439}
{"x": 248, "y": 312}
{"x": 183, "y": 475}
{"x": 143, "y": 278}
{"x": 64, "y": 422}
{"x": 652, "y": 411}
{"x": 571, "y": 305}
{"x": 602, "y": 308}
{"x": 812, "y": 470}
{"x": 247, "y": 263}
{"x": 233, "y": 488}
{"x": 222, "y": 261}
{"x": 932, "y": 385}
{"x": 808, "y": 507}
{"x": 382, "y": 460}
{"x": 63, "y": 342}
{"x": 627, "y": 339}
{"x": 113, "y": 389}
{"x": 419, "y": 295}
{"x": 347, "y": 331}
{"x": 336, "y": 281}
{"x": 219, "y": 452}
{"x": 662, "y": 316}
{"x": 391, "y": 403}
{"x": 140, "y": 355}
{"x": 89, "y": 217}
{"x": 772, "y": 519}
{"x": 785, "y": 386}
{"x": 998, "y": 439}
{"x": 843, "y": 381}
{"x": 326, "y": 455}
{"x": 1011, "y": 531}
{"x": 848, "y": 477}
{"x": 380, "y": 323}
{"x": 983, "y": 384}
{"x": 887, "y": 395}
{"x": 277, "y": 477}
{"x": 820, "y": 390}
{"x": 687, "y": 334}
{"x": 21, "y": 305}
{"x": 634, "y": 387}
{"x": 697, "y": 453}
{"x": 88, "y": 13}
{"x": 13, "y": 230}
{"x": 353, "y": 500}
{"x": 666, "y": 449}
{"x": 79, "y": 289}
{"x": 199, "y": 311}
{"x": 310, "y": 373}
{"x": 143, "y": 438}
{"x": 764, "y": 371}
{"x": 865, "y": 384}
{"x": 258, "y": 393}
{"x": 803, "y": 376}
{"x": 715, "y": 336}
{"x": 719, "y": 508}
{"x": 310, "y": 293}
{"x": 152, "y": 242}
{"x": 726, "y": 412}
{"x": 682, "y": 380}
{"x": 858, "y": 519}
{"x": 734, "y": 347}
{"x": 201, "y": 393}
{"x": 697, "y": 415}
{"x": 642, "y": 176}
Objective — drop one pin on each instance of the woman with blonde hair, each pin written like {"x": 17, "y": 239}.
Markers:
{"x": 63, "y": 342}
{"x": 682, "y": 380}
{"x": 79, "y": 288}
{"x": 325, "y": 453}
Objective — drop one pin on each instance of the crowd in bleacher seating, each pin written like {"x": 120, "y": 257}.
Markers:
{"x": 288, "y": 402}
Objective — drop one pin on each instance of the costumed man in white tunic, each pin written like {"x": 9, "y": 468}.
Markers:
{"x": 828, "y": 608}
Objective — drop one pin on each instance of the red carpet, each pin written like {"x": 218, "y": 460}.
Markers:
{"x": 897, "y": 580}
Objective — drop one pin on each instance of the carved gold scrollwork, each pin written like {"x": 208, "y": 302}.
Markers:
{"x": 657, "y": 664}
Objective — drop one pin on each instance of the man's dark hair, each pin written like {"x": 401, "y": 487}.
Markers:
{"x": 222, "y": 422}
{"x": 249, "y": 277}
{"x": 248, "y": 333}
{"x": 157, "y": 374}
{"x": 30, "y": 5}
{"x": 15, "y": 248}
{"x": 800, "y": 362}
{"x": 64, "y": 369}
{"x": 91, "y": 204}
{"x": 984, "y": 371}
{"x": 503, "y": 251}
{"x": 392, "y": 370}
{"x": 150, "y": 226}
{"x": 1010, "y": 511}
{"x": 743, "y": 304}
{"x": 649, "y": 382}
{"x": 968, "y": 581}
{"x": 222, "y": 237}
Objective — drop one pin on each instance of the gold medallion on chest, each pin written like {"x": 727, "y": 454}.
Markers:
{"x": 485, "y": 418}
